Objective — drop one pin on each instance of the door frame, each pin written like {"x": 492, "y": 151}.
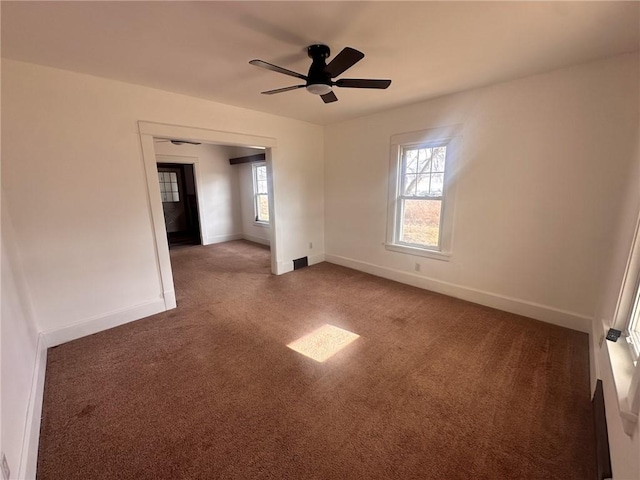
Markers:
{"x": 195, "y": 161}
{"x": 147, "y": 132}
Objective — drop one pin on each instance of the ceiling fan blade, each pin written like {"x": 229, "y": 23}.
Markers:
{"x": 362, "y": 83}
{"x": 347, "y": 58}
{"x": 280, "y": 90}
{"x": 329, "y": 97}
{"x": 275, "y": 68}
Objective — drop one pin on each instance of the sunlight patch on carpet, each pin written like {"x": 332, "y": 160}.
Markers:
{"x": 323, "y": 343}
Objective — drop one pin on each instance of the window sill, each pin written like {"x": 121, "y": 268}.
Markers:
{"x": 261, "y": 224}
{"x": 420, "y": 252}
{"x": 623, "y": 370}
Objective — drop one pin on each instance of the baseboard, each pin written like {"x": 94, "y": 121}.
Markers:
{"x": 221, "y": 238}
{"x": 97, "y": 324}
{"x": 287, "y": 266}
{"x": 29, "y": 456}
{"x": 597, "y": 332}
{"x": 317, "y": 258}
{"x": 545, "y": 313}
{"x": 262, "y": 241}
{"x": 170, "y": 299}
{"x": 284, "y": 267}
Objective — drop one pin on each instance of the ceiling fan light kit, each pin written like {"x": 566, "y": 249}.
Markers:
{"x": 318, "y": 88}
{"x": 319, "y": 80}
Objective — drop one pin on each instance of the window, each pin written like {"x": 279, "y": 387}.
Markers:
{"x": 627, "y": 314}
{"x": 623, "y": 354}
{"x": 420, "y": 199}
{"x": 633, "y": 325}
{"x": 260, "y": 193}
{"x": 421, "y": 193}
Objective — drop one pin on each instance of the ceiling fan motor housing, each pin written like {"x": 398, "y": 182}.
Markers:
{"x": 319, "y": 81}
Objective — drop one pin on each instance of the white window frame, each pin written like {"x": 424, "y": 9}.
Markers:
{"x": 446, "y": 136}
{"x": 627, "y": 313}
{"x": 256, "y": 194}
{"x": 633, "y": 325}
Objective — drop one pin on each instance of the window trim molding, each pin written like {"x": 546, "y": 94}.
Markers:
{"x": 451, "y": 137}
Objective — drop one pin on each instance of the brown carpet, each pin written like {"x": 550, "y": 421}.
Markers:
{"x": 434, "y": 388}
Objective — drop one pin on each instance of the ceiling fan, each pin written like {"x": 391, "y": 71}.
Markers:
{"x": 319, "y": 80}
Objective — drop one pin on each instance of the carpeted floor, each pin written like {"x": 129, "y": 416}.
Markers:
{"x": 434, "y": 388}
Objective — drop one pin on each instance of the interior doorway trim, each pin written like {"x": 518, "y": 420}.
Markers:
{"x": 149, "y": 130}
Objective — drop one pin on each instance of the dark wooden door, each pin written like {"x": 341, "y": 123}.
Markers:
{"x": 179, "y": 203}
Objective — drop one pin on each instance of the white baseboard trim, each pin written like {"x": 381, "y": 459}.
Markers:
{"x": 317, "y": 258}
{"x": 597, "y": 332}
{"x": 262, "y": 241}
{"x": 30, "y": 443}
{"x": 221, "y": 238}
{"x": 170, "y": 299}
{"x": 545, "y": 313}
{"x": 284, "y": 267}
{"x": 99, "y": 323}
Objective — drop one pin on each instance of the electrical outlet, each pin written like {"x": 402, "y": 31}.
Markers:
{"x": 417, "y": 267}
{"x": 6, "y": 472}
{"x": 310, "y": 245}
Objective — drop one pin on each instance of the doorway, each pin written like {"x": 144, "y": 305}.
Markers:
{"x": 179, "y": 204}
{"x": 149, "y": 130}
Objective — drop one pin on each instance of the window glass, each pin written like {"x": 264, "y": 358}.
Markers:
{"x": 168, "y": 186}
{"x": 261, "y": 193}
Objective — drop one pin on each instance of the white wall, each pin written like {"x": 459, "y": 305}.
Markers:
{"x": 250, "y": 229}
{"x": 19, "y": 350}
{"x": 218, "y": 189}
{"x": 542, "y": 169}
{"x": 75, "y": 185}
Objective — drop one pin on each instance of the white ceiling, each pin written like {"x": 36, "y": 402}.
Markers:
{"x": 427, "y": 48}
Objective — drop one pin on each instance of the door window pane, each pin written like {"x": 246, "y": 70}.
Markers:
{"x": 168, "y": 186}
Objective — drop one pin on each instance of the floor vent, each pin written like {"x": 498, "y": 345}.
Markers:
{"x": 603, "y": 456}
{"x": 300, "y": 262}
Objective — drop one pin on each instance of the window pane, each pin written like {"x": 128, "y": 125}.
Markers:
{"x": 420, "y": 223}
{"x": 411, "y": 161}
{"x": 263, "y": 208}
{"x": 437, "y": 184}
{"x": 261, "y": 172}
{"x": 423, "y": 185}
{"x": 410, "y": 185}
{"x": 174, "y": 178}
{"x": 262, "y": 186}
{"x": 424, "y": 160}
{"x": 439, "y": 155}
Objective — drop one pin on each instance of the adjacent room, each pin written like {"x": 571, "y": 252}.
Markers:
{"x": 431, "y": 271}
